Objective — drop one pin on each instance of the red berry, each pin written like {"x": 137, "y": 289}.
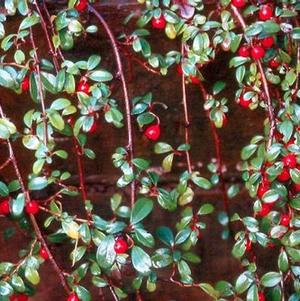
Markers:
{"x": 261, "y": 296}
{"x": 244, "y": 51}
{"x": 32, "y": 207}
{"x": 267, "y": 42}
{"x": 273, "y": 63}
{"x": 73, "y": 297}
{"x": 83, "y": 86}
{"x": 284, "y": 176}
{"x": 152, "y": 132}
{"x": 25, "y": 84}
{"x": 81, "y": 5}
{"x": 43, "y": 253}
{"x": 290, "y": 161}
{"x": 262, "y": 189}
{"x": 121, "y": 245}
{"x": 195, "y": 80}
{"x": 4, "y": 207}
{"x": 179, "y": 69}
{"x": 22, "y": 297}
{"x": 159, "y": 23}
{"x": 257, "y": 52}
{"x": 238, "y": 3}
{"x": 245, "y": 103}
{"x": 193, "y": 227}
{"x": 265, "y": 209}
{"x": 248, "y": 245}
{"x": 285, "y": 220}
{"x": 296, "y": 187}
{"x": 265, "y": 12}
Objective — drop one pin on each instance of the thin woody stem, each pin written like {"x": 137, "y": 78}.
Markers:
{"x": 40, "y": 87}
{"x": 81, "y": 172}
{"x": 264, "y": 83}
{"x": 4, "y": 164}
{"x": 125, "y": 91}
{"x": 186, "y": 116}
{"x": 49, "y": 42}
{"x": 218, "y": 149}
{"x": 59, "y": 52}
{"x": 31, "y": 216}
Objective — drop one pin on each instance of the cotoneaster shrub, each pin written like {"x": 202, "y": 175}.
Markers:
{"x": 262, "y": 38}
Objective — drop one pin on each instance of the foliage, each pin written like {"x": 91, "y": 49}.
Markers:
{"x": 70, "y": 96}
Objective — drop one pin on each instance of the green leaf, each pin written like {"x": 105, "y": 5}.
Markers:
{"x": 32, "y": 275}
{"x": 29, "y": 22}
{"x": 143, "y": 237}
{"x": 168, "y": 162}
{"x": 141, "y": 261}
{"x": 60, "y": 104}
{"x": 270, "y": 279}
{"x": 4, "y": 191}
{"x": 165, "y": 235}
{"x": 100, "y": 76}
{"x": 93, "y": 62}
{"x": 56, "y": 120}
{"x": 106, "y": 254}
{"x": 5, "y": 289}
{"x": 82, "y": 293}
{"x": 208, "y": 289}
{"x": 38, "y": 183}
{"x": 141, "y": 163}
{"x": 141, "y": 209}
{"x": 201, "y": 182}
{"x": 161, "y": 148}
{"x": 243, "y": 282}
{"x": 205, "y": 209}
{"x": 18, "y": 204}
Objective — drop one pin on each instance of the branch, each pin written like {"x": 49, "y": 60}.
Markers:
{"x": 264, "y": 82}
{"x": 52, "y": 29}
{"x": 40, "y": 87}
{"x": 125, "y": 91}
{"x": 186, "y": 115}
{"x": 49, "y": 42}
{"x": 31, "y": 216}
{"x": 218, "y": 149}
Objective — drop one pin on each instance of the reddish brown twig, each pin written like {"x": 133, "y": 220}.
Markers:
{"x": 125, "y": 91}
{"x": 4, "y": 164}
{"x": 40, "y": 87}
{"x": 186, "y": 116}
{"x": 32, "y": 218}
{"x": 49, "y": 42}
{"x": 218, "y": 149}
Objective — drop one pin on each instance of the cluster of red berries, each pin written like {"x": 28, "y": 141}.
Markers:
{"x": 159, "y": 23}
{"x": 289, "y": 162}
{"x": 81, "y": 5}
{"x": 265, "y": 11}
{"x": 257, "y": 51}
